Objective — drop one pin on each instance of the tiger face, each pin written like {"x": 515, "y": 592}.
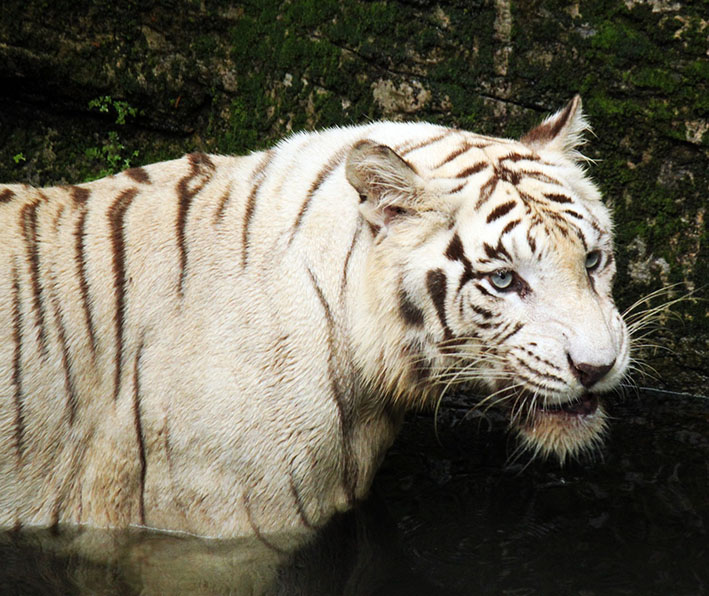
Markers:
{"x": 507, "y": 258}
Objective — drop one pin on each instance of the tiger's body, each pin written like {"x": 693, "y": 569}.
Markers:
{"x": 226, "y": 345}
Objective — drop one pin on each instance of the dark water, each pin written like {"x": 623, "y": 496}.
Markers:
{"x": 446, "y": 516}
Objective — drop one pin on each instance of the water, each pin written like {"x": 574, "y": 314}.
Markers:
{"x": 447, "y": 515}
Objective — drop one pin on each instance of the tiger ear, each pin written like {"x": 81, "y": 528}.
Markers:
{"x": 388, "y": 186}
{"x": 562, "y": 132}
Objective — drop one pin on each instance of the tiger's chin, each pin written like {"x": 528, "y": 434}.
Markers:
{"x": 563, "y": 431}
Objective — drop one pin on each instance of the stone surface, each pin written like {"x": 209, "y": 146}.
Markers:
{"x": 164, "y": 78}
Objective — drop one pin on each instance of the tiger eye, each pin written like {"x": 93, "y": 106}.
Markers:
{"x": 502, "y": 280}
{"x": 593, "y": 259}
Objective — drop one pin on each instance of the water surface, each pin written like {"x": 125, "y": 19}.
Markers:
{"x": 448, "y": 514}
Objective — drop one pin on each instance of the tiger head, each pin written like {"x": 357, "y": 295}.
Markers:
{"x": 492, "y": 263}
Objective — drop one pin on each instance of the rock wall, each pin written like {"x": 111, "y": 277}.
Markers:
{"x": 88, "y": 88}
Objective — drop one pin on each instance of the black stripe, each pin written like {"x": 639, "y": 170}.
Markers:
{"x": 507, "y": 175}
{"x": 501, "y": 210}
{"x": 496, "y": 252}
{"x": 219, "y": 213}
{"x": 538, "y": 176}
{"x": 323, "y": 174}
{"x": 531, "y": 241}
{"x": 539, "y": 358}
{"x": 54, "y": 518}
{"x": 346, "y": 264}
{"x": 484, "y": 291}
{"x": 299, "y": 505}
{"x": 483, "y": 312}
{"x": 69, "y": 385}
{"x": 139, "y": 430}
{"x": 200, "y": 166}
{"x": 532, "y": 383}
{"x": 349, "y": 469}
{"x": 474, "y": 169}
{"x": 6, "y": 195}
{"x": 405, "y": 150}
{"x": 57, "y": 217}
{"x": 539, "y": 373}
{"x": 29, "y": 228}
{"x": 486, "y": 191}
{"x": 116, "y": 215}
{"x": 557, "y": 197}
{"x": 79, "y": 194}
{"x": 80, "y": 256}
{"x": 458, "y": 188}
{"x": 436, "y": 284}
{"x": 256, "y": 530}
{"x": 610, "y": 259}
{"x": 18, "y": 395}
{"x": 582, "y": 237}
{"x": 515, "y": 157}
{"x": 574, "y": 214}
{"x": 256, "y": 181}
{"x": 411, "y": 313}
{"x": 510, "y": 226}
{"x": 528, "y": 200}
{"x": 451, "y": 156}
{"x": 456, "y": 252}
{"x": 518, "y": 327}
{"x": 139, "y": 175}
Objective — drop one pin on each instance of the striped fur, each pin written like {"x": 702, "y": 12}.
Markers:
{"x": 226, "y": 345}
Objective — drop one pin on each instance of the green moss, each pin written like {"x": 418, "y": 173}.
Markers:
{"x": 643, "y": 76}
{"x": 655, "y": 78}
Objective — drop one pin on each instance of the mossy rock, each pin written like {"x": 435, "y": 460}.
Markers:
{"x": 231, "y": 78}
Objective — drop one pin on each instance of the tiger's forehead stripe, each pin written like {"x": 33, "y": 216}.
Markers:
{"x": 543, "y": 202}
{"x": 511, "y": 225}
{"x": 500, "y": 211}
{"x": 456, "y": 252}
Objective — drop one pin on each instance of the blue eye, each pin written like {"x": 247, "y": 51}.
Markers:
{"x": 502, "y": 279}
{"x": 593, "y": 259}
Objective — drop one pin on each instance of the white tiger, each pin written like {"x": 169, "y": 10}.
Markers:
{"x": 226, "y": 345}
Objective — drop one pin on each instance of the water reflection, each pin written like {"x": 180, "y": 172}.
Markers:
{"x": 446, "y": 517}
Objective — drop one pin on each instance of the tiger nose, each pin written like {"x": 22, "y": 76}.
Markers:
{"x": 589, "y": 374}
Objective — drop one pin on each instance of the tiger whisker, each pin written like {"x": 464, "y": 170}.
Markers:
{"x": 651, "y": 296}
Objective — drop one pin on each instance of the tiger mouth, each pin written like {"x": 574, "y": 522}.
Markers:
{"x": 586, "y": 405}
{"x": 563, "y": 429}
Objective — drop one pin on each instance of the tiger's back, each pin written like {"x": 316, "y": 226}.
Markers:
{"x": 226, "y": 345}
{"x": 112, "y": 290}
